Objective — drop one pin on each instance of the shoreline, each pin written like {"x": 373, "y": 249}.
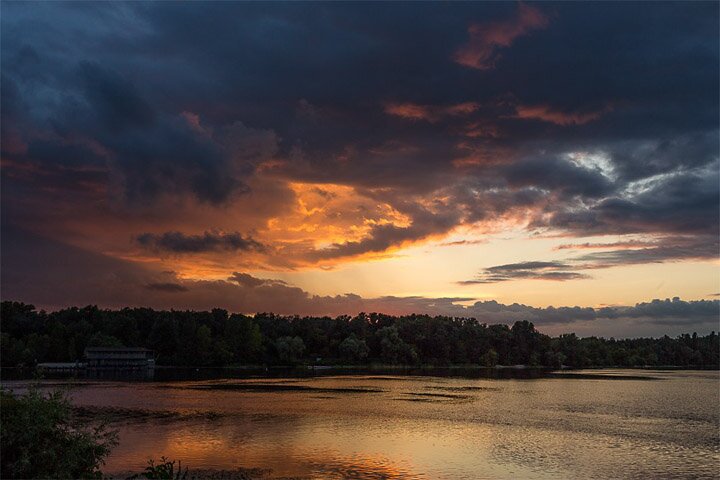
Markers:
{"x": 309, "y": 368}
{"x": 174, "y": 373}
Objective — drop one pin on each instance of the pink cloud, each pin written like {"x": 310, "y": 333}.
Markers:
{"x": 430, "y": 113}
{"x": 482, "y": 130}
{"x": 408, "y": 110}
{"x": 480, "y": 52}
{"x": 548, "y": 114}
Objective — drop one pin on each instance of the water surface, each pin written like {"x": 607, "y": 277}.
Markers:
{"x": 589, "y": 424}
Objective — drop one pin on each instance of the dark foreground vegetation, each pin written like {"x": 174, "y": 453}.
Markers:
{"x": 42, "y": 438}
{"x": 216, "y": 338}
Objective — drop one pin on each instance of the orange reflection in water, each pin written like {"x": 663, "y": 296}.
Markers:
{"x": 604, "y": 424}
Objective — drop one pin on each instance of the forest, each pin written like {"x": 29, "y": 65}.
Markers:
{"x": 217, "y": 338}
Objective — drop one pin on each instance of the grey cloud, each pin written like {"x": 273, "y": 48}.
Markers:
{"x": 667, "y": 311}
{"x": 168, "y": 287}
{"x": 535, "y": 270}
{"x": 558, "y": 175}
{"x": 526, "y": 266}
{"x": 680, "y": 203}
{"x": 666, "y": 249}
{"x": 660, "y": 250}
{"x": 634, "y": 160}
{"x": 117, "y": 102}
{"x": 248, "y": 281}
{"x": 178, "y": 242}
{"x": 101, "y": 118}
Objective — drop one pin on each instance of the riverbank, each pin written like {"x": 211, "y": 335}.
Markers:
{"x": 171, "y": 373}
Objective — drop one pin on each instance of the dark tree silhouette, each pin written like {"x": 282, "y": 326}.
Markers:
{"x": 217, "y": 338}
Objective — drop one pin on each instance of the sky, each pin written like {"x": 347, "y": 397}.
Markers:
{"x": 551, "y": 162}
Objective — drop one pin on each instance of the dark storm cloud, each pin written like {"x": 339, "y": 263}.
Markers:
{"x": 158, "y": 153}
{"x": 102, "y": 120}
{"x": 51, "y": 155}
{"x": 178, "y": 242}
{"x": 487, "y": 202}
{"x": 478, "y": 104}
{"x": 560, "y": 176}
{"x": 681, "y": 203}
{"x": 261, "y": 60}
{"x": 116, "y": 101}
{"x": 640, "y": 159}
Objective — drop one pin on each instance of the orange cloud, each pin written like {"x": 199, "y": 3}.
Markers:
{"x": 485, "y": 39}
{"x": 547, "y": 114}
{"x": 325, "y": 215}
{"x": 430, "y": 113}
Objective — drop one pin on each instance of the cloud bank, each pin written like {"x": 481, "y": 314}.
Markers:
{"x": 264, "y": 137}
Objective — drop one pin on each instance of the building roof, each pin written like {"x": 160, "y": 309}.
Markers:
{"x": 61, "y": 365}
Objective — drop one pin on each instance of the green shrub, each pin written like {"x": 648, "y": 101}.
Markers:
{"x": 40, "y": 438}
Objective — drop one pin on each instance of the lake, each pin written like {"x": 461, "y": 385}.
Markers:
{"x": 580, "y": 424}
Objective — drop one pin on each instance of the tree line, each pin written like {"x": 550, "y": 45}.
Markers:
{"x": 217, "y": 338}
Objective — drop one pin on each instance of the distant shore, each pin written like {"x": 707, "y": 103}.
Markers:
{"x": 180, "y": 373}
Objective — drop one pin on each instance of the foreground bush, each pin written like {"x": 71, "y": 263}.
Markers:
{"x": 40, "y": 438}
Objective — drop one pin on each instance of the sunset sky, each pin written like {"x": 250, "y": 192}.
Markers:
{"x": 555, "y": 162}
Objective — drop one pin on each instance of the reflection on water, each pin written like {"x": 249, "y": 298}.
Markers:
{"x": 600, "y": 424}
